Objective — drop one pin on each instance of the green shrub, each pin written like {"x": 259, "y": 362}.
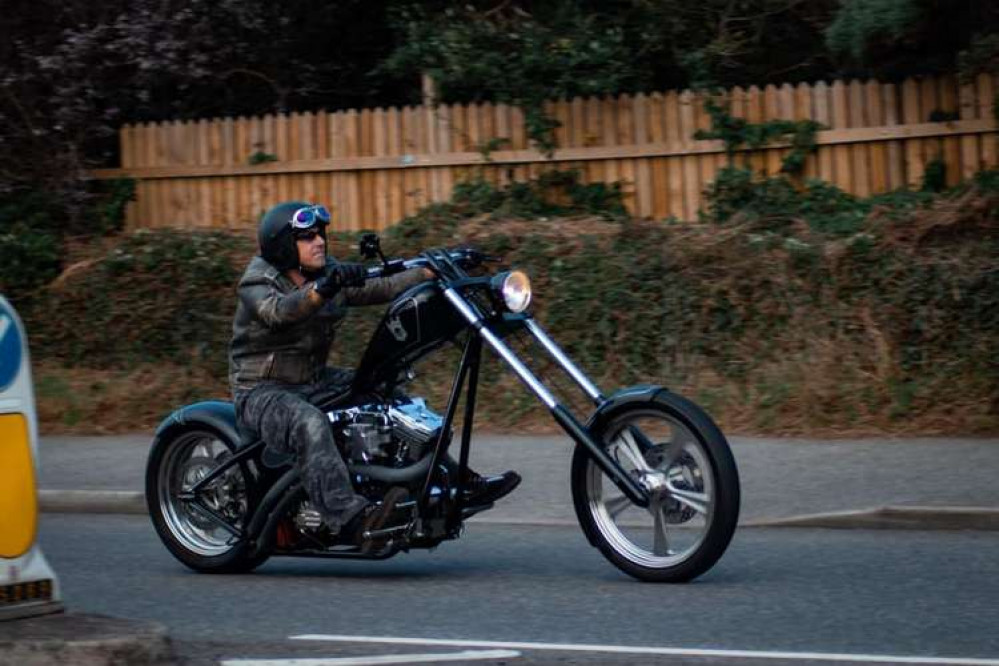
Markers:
{"x": 30, "y": 242}
{"x": 109, "y": 206}
{"x": 775, "y": 203}
{"x": 34, "y": 227}
{"x": 158, "y": 295}
{"x": 554, "y": 193}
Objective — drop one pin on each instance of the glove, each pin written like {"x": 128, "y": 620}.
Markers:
{"x": 328, "y": 285}
{"x": 340, "y": 275}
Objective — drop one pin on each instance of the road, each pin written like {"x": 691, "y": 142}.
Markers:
{"x": 780, "y": 478}
{"x": 798, "y": 590}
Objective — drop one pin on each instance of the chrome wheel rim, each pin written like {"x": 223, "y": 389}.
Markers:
{"x": 189, "y": 460}
{"x": 665, "y": 457}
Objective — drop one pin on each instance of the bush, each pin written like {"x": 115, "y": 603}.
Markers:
{"x": 30, "y": 242}
{"x": 158, "y": 295}
{"x": 554, "y": 193}
{"x": 791, "y": 311}
{"x": 738, "y": 197}
{"x": 34, "y": 227}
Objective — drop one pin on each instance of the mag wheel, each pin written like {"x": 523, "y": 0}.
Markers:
{"x": 671, "y": 447}
{"x": 206, "y": 532}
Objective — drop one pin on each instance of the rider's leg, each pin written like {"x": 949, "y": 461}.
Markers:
{"x": 290, "y": 425}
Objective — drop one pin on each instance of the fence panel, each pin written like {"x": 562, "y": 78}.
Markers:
{"x": 376, "y": 166}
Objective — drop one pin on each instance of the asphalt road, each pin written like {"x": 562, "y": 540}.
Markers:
{"x": 816, "y": 591}
{"x": 780, "y": 477}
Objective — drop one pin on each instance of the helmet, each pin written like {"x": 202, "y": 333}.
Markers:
{"x": 275, "y": 234}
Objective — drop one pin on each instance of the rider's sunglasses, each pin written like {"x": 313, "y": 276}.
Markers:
{"x": 307, "y": 234}
{"x": 310, "y": 216}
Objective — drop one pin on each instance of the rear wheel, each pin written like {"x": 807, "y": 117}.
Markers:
{"x": 207, "y": 532}
{"x": 670, "y": 446}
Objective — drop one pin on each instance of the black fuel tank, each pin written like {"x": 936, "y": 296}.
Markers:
{"x": 419, "y": 321}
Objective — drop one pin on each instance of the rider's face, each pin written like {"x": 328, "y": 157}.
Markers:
{"x": 312, "y": 252}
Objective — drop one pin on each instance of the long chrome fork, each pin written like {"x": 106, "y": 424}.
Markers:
{"x": 628, "y": 485}
{"x": 560, "y": 357}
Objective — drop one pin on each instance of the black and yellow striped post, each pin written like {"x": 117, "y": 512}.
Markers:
{"x": 28, "y": 586}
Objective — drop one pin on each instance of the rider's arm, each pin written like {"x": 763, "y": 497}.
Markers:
{"x": 384, "y": 289}
{"x": 277, "y": 308}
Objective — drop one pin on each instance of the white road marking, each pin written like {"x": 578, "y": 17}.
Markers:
{"x": 676, "y": 652}
{"x": 467, "y": 655}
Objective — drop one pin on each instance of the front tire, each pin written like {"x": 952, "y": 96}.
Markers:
{"x": 674, "y": 446}
{"x": 178, "y": 460}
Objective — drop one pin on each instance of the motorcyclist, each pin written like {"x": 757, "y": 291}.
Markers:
{"x": 292, "y": 299}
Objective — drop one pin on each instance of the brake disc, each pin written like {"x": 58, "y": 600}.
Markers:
{"x": 683, "y": 474}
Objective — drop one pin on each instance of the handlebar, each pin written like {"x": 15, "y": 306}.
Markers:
{"x": 463, "y": 257}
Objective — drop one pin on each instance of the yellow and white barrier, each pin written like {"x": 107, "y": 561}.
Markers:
{"x": 28, "y": 586}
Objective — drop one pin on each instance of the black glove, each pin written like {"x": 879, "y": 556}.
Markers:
{"x": 339, "y": 275}
{"x": 328, "y": 285}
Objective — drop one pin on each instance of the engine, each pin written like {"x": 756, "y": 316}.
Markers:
{"x": 392, "y": 435}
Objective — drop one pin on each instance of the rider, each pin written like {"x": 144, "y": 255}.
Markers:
{"x": 292, "y": 298}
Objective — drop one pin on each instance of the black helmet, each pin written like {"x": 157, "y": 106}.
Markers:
{"x": 275, "y": 234}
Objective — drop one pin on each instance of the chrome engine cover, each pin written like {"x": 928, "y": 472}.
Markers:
{"x": 414, "y": 423}
{"x": 379, "y": 434}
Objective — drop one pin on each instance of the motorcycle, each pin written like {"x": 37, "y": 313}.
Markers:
{"x": 654, "y": 483}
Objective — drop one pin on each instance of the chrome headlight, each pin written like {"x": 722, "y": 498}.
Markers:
{"x": 513, "y": 289}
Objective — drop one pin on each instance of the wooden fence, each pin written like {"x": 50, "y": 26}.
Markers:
{"x": 376, "y": 166}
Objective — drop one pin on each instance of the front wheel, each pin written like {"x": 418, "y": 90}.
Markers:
{"x": 672, "y": 447}
{"x": 205, "y": 533}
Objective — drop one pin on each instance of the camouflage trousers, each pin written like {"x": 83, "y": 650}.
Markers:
{"x": 287, "y": 419}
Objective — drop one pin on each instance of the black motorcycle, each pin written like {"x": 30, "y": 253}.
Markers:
{"x": 654, "y": 483}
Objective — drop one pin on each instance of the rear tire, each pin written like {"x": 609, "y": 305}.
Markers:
{"x": 180, "y": 458}
{"x": 693, "y": 516}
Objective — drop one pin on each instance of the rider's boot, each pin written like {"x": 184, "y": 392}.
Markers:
{"x": 482, "y": 490}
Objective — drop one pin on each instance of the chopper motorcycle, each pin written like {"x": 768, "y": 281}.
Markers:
{"x": 654, "y": 483}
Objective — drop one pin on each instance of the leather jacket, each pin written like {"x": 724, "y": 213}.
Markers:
{"x": 280, "y": 336}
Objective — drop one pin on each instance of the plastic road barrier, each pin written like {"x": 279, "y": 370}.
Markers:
{"x": 28, "y": 586}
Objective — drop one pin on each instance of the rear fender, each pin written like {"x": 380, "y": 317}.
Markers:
{"x": 214, "y": 413}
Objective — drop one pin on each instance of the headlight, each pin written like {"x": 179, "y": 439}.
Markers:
{"x": 514, "y": 289}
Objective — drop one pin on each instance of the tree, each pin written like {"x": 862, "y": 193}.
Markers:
{"x": 523, "y": 53}
{"x": 508, "y": 55}
{"x": 73, "y": 72}
{"x": 892, "y": 39}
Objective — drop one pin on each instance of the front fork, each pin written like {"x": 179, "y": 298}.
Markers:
{"x": 628, "y": 485}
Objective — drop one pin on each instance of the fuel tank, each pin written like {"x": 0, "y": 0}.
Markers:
{"x": 419, "y": 321}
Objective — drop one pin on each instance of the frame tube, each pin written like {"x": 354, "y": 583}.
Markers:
{"x": 241, "y": 455}
{"x": 475, "y": 355}
{"x": 442, "y": 444}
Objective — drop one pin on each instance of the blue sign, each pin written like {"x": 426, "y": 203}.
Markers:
{"x": 10, "y": 348}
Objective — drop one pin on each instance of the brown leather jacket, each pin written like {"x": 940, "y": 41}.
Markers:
{"x": 279, "y": 335}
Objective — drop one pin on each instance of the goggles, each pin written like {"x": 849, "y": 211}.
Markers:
{"x": 310, "y": 216}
